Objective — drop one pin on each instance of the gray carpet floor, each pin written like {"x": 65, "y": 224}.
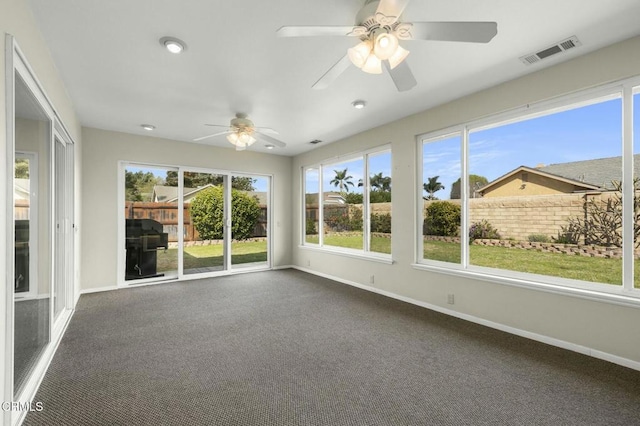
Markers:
{"x": 289, "y": 348}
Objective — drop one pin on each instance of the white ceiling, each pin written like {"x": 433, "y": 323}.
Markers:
{"x": 119, "y": 76}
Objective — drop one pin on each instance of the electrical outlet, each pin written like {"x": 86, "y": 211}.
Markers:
{"x": 308, "y": 262}
{"x": 372, "y": 279}
{"x": 450, "y": 299}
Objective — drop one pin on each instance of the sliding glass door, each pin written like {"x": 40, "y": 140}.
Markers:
{"x": 249, "y": 221}
{"x": 204, "y": 222}
{"x": 32, "y": 219}
{"x": 186, "y": 222}
{"x": 151, "y": 222}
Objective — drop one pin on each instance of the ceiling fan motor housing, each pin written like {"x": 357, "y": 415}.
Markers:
{"x": 366, "y": 17}
{"x": 242, "y": 123}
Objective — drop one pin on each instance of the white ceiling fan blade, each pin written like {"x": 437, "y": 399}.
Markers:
{"x": 310, "y": 31}
{"x": 270, "y": 140}
{"x": 472, "y": 32}
{"x": 402, "y": 76}
{"x": 266, "y": 130}
{"x": 389, "y": 11}
{"x": 333, "y": 73}
{"x": 210, "y": 136}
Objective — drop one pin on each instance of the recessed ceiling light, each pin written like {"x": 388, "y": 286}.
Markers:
{"x": 173, "y": 44}
{"x": 148, "y": 127}
{"x": 269, "y": 146}
{"x": 359, "y": 104}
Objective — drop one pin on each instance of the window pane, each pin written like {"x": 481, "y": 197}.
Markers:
{"x": 151, "y": 222}
{"x": 636, "y": 179}
{"x": 311, "y": 203}
{"x": 380, "y": 202}
{"x": 249, "y": 204}
{"x": 342, "y": 204}
{"x": 203, "y": 202}
{"x": 441, "y": 173}
{"x": 32, "y": 281}
{"x": 552, "y": 204}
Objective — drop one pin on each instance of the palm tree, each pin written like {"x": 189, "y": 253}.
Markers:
{"x": 432, "y": 186}
{"x": 341, "y": 180}
{"x": 380, "y": 183}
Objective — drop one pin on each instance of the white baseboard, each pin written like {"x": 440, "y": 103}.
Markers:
{"x": 625, "y": 362}
{"x": 97, "y": 289}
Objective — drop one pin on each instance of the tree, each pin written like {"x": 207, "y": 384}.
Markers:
{"x": 139, "y": 185}
{"x": 207, "y": 213}
{"x": 22, "y": 168}
{"x": 196, "y": 180}
{"x": 602, "y": 221}
{"x": 475, "y": 182}
{"x": 341, "y": 180}
{"x": 380, "y": 183}
{"x": 431, "y": 187}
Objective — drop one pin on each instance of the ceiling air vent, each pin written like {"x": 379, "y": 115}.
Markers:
{"x": 315, "y": 141}
{"x": 560, "y": 47}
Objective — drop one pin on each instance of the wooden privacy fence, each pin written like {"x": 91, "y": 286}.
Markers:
{"x": 167, "y": 215}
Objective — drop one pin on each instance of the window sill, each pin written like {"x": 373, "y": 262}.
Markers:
{"x": 616, "y": 295}
{"x": 370, "y": 256}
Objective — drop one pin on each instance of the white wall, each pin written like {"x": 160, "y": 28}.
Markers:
{"x": 16, "y": 19}
{"x": 608, "y": 328}
{"x": 102, "y": 150}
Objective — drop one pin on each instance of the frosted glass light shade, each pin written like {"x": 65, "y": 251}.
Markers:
{"x": 397, "y": 58}
{"x": 385, "y": 46}
{"x": 372, "y": 65}
{"x": 358, "y": 54}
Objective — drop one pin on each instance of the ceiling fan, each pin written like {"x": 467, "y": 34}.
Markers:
{"x": 380, "y": 28}
{"x": 242, "y": 133}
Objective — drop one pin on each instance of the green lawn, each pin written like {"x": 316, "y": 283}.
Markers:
{"x": 211, "y": 256}
{"x": 378, "y": 244}
{"x": 593, "y": 269}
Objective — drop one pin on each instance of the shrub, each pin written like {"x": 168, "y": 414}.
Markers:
{"x": 538, "y": 238}
{"x": 336, "y": 218}
{"x": 483, "y": 230}
{"x": 569, "y": 234}
{"x": 310, "y": 227}
{"x": 381, "y": 222}
{"x": 352, "y": 198}
{"x": 355, "y": 220}
{"x": 442, "y": 218}
{"x": 207, "y": 214}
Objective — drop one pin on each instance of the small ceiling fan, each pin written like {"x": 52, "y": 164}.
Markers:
{"x": 380, "y": 28}
{"x": 242, "y": 133}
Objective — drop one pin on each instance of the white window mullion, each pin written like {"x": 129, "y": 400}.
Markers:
{"x": 628, "y": 190}
{"x": 464, "y": 198}
{"x": 320, "y": 206}
{"x": 366, "y": 234}
{"x": 180, "y": 227}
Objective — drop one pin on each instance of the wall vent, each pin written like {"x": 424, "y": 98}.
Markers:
{"x": 560, "y": 47}
{"x": 315, "y": 141}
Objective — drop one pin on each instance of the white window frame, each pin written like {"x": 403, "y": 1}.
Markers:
{"x": 364, "y": 252}
{"x": 625, "y": 294}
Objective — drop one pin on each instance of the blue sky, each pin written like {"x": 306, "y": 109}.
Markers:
{"x": 590, "y": 132}
{"x": 378, "y": 163}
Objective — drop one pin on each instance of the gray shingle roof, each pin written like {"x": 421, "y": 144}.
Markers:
{"x": 599, "y": 172}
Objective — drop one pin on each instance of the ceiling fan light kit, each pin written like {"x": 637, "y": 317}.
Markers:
{"x": 380, "y": 28}
{"x": 242, "y": 133}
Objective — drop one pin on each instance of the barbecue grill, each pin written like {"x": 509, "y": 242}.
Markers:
{"x": 144, "y": 237}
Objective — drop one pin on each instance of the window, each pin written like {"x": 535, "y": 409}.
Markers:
{"x": 542, "y": 197}
{"x": 558, "y": 221}
{"x": 348, "y": 203}
{"x": 441, "y": 194}
{"x": 635, "y": 130}
{"x": 311, "y": 205}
